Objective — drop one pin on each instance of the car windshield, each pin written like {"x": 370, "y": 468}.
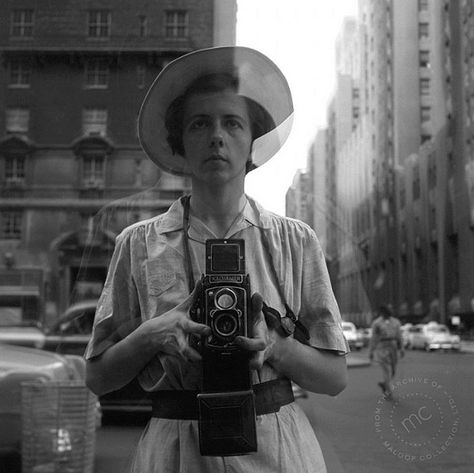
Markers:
{"x": 438, "y": 329}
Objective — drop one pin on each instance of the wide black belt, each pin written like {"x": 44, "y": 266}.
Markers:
{"x": 269, "y": 397}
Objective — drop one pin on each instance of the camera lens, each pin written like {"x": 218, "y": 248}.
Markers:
{"x": 225, "y": 299}
{"x": 226, "y": 324}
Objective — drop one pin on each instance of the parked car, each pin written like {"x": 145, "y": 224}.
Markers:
{"x": 365, "y": 335}
{"x": 69, "y": 335}
{"x": 433, "y": 336}
{"x": 405, "y": 329}
{"x": 19, "y": 364}
{"x": 353, "y": 338}
{"x": 71, "y": 332}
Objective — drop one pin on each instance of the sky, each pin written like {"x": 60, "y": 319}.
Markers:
{"x": 300, "y": 37}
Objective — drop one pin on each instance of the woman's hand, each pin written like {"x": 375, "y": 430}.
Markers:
{"x": 263, "y": 339}
{"x": 170, "y": 332}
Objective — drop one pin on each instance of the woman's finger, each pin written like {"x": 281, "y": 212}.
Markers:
{"x": 257, "y": 303}
{"x": 190, "y": 354}
{"x": 251, "y": 344}
{"x": 196, "y": 328}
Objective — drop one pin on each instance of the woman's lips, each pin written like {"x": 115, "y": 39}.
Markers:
{"x": 215, "y": 157}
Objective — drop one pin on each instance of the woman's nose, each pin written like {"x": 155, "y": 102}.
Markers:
{"x": 217, "y": 137}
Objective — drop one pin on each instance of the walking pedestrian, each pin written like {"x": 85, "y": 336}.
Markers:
{"x": 385, "y": 346}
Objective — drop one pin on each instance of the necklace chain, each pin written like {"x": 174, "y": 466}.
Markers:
{"x": 188, "y": 226}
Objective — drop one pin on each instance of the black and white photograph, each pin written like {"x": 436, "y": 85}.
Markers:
{"x": 236, "y": 236}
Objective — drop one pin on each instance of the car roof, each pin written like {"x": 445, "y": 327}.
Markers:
{"x": 73, "y": 311}
{"x": 16, "y": 356}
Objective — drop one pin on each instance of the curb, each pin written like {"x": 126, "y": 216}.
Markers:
{"x": 357, "y": 361}
{"x": 467, "y": 346}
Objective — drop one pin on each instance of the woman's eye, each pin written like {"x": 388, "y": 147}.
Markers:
{"x": 233, "y": 124}
{"x": 197, "y": 124}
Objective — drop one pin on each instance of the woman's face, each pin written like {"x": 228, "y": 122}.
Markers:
{"x": 217, "y": 136}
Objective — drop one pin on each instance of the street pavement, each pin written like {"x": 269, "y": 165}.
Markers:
{"x": 426, "y": 428}
{"x": 346, "y": 424}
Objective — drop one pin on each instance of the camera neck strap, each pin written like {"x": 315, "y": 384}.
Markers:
{"x": 187, "y": 254}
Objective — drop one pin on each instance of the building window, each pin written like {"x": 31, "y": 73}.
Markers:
{"x": 403, "y": 197}
{"x": 176, "y": 24}
{"x": 423, "y": 30}
{"x": 425, "y": 114}
{"x": 99, "y": 24}
{"x": 11, "y": 223}
{"x": 416, "y": 189}
{"x": 97, "y": 74}
{"x": 94, "y": 121}
{"x": 93, "y": 171}
{"x": 424, "y": 86}
{"x": 143, "y": 23}
{"x": 141, "y": 76}
{"x": 422, "y": 5}
{"x": 20, "y": 74}
{"x": 22, "y": 22}
{"x": 432, "y": 176}
{"x": 424, "y": 59}
{"x": 14, "y": 169}
{"x": 17, "y": 120}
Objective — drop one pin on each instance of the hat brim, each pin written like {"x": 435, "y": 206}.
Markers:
{"x": 259, "y": 79}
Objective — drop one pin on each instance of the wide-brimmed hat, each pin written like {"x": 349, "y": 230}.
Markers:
{"x": 259, "y": 79}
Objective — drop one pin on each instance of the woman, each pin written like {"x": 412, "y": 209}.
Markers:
{"x": 214, "y": 115}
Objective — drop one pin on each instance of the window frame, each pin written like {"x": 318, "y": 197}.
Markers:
{"x": 15, "y": 168}
{"x": 97, "y": 28}
{"x": 17, "y": 121}
{"x": 93, "y": 170}
{"x": 423, "y": 30}
{"x": 142, "y": 26}
{"x": 425, "y": 114}
{"x": 425, "y": 86}
{"x": 19, "y": 74}
{"x": 92, "y": 122}
{"x": 141, "y": 76}
{"x": 174, "y": 27}
{"x": 22, "y": 27}
{"x": 11, "y": 225}
{"x": 95, "y": 70}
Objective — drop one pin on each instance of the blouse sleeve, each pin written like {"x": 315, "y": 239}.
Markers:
{"x": 118, "y": 311}
{"x": 319, "y": 310}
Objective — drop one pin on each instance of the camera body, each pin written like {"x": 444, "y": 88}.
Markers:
{"x": 226, "y": 402}
{"x": 225, "y": 295}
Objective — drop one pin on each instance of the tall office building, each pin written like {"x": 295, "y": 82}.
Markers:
{"x": 403, "y": 190}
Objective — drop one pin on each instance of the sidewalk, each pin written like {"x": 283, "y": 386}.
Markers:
{"x": 357, "y": 359}
{"x": 467, "y": 346}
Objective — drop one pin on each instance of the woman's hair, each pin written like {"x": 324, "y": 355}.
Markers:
{"x": 261, "y": 121}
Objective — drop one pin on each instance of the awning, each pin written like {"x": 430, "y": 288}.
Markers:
{"x": 19, "y": 291}
{"x": 434, "y": 305}
{"x": 403, "y": 309}
{"x": 454, "y": 305}
{"x": 418, "y": 308}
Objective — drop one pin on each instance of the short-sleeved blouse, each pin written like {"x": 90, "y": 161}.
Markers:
{"x": 147, "y": 278}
